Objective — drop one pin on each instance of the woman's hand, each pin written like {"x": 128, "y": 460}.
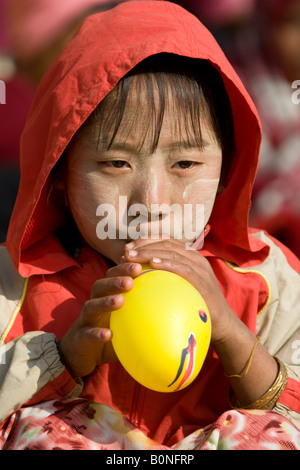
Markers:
{"x": 171, "y": 255}
{"x": 231, "y": 339}
{"x": 88, "y": 342}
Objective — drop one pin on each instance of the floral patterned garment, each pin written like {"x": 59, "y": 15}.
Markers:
{"x": 76, "y": 424}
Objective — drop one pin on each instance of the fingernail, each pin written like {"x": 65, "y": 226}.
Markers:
{"x": 102, "y": 334}
{"x": 129, "y": 245}
{"x": 132, "y": 253}
{"x": 112, "y": 301}
{"x": 122, "y": 283}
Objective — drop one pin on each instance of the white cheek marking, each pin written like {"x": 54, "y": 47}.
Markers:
{"x": 190, "y": 189}
{"x": 110, "y": 192}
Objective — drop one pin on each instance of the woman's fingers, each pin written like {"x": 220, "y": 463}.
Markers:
{"x": 166, "y": 255}
{"x": 124, "y": 269}
{"x": 95, "y": 308}
{"x": 112, "y": 285}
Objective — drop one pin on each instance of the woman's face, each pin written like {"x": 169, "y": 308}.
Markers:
{"x": 129, "y": 191}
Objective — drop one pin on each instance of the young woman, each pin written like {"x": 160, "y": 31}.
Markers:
{"x": 143, "y": 104}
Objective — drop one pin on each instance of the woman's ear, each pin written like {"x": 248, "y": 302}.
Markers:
{"x": 58, "y": 187}
{"x": 59, "y": 184}
{"x": 57, "y": 193}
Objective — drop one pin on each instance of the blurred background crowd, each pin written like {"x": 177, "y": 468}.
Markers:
{"x": 261, "y": 38}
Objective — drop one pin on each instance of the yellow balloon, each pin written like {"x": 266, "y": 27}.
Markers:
{"x": 162, "y": 333}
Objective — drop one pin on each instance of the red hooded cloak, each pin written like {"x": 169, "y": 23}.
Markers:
{"x": 106, "y": 47}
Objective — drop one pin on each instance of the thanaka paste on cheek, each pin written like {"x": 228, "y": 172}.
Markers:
{"x": 86, "y": 191}
{"x": 203, "y": 191}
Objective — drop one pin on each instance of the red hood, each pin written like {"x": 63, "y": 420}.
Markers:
{"x": 107, "y": 46}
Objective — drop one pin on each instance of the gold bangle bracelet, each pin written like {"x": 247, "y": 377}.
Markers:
{"x": 268, "y": 399}
{"x": 247, "y": 367}
{"x": 271, "y": 396}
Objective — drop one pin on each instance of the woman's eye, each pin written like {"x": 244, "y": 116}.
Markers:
{"x": 116, "y": 164}
{"x": 119, "y": 164}
{"x": 185, "y": 164}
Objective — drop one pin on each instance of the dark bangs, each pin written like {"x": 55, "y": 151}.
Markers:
{"x": 191, "y": 89}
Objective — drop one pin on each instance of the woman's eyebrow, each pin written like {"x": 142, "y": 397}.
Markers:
{"x": 188, "y": 144}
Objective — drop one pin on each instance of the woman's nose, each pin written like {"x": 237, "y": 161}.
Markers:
{"x": 152, "y": 191}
